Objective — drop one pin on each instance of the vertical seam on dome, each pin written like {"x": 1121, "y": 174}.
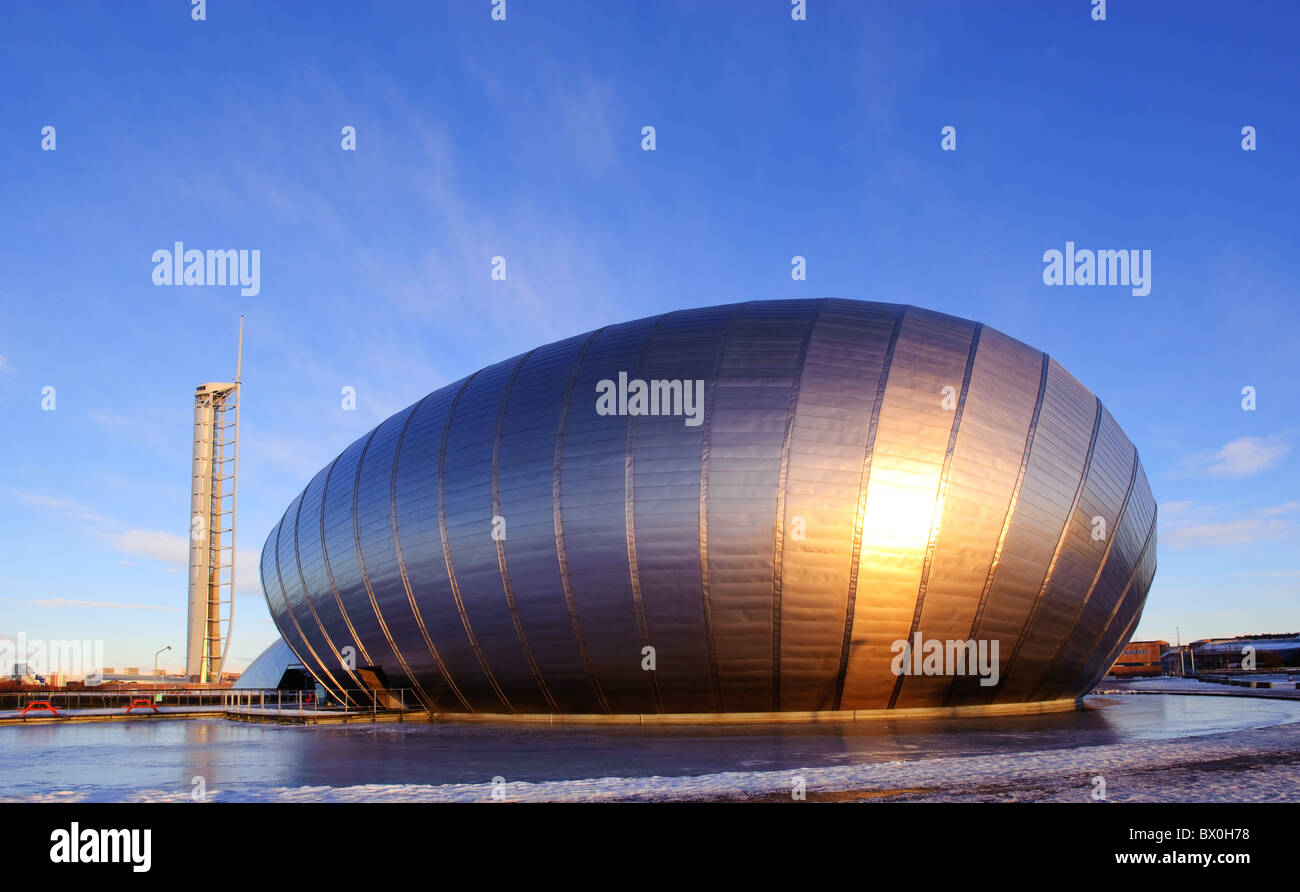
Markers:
{"x": 502, "y": 565}
{"x": 783, "y": 473}
{"x": 365, "y": 577}
{"x": 1119, "y": 602}
{"x": 1056, "y": 554}
{"x": 864, "y": 477}
{"x": 629, "y": 519}
{"x": 941, "y": 492}
{"x": 401, "y": 567}
{"x": 1120, "y": 642}
{"x": 1117, "y": 648}
{"x": 329, "y": 570}
{"x": 557, "y": 522}
{"x": 1105, "y": 557}
{"x": 266, "y": 585}
{"x": 446, "y": 547}
{"x": 1010, "y": 515}
{"x": 284, "y": 593}
{"x": 274, "y": 541}
{"x": 715, "y": 680}
{"x": 302, "y": 580}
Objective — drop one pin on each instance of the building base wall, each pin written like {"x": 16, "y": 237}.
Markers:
{"x": 764, "y": 718}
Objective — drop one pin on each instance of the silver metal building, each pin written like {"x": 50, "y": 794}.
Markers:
{"x": 761, "y": 501}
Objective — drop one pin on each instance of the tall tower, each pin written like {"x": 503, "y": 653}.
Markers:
{"x": 212, "y": 525}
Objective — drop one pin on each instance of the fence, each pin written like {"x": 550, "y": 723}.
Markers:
{"x": 90, "y": 698}
{"x": 349, "y": 701}
{"x": 352, "y": 701}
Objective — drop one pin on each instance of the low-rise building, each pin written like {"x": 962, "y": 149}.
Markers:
{"x": 1140, "y": 658}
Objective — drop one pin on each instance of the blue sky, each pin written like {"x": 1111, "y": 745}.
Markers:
{"x": 522, "y": 138}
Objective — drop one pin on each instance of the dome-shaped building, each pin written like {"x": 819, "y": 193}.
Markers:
{"x": 753, "y": 508}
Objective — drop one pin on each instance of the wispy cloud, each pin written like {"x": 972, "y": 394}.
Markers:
{"x": 156, "y": 545}
{"x": 299, "y": 457}
{"x": 1240, "y": 457}
{"x": 174, "y": 551}
{"x": 64, "y": 507}
{"x": 69, "y": 602}
{"x": 109, "y": 420}
{"x": 4, "y": 365}
{"x": 1186, "y": 525}
{"x": 1234, "y": 533}
{"x": 162, "y": 547}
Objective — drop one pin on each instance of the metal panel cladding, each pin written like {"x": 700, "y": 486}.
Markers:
{"x": 751, "y": 508}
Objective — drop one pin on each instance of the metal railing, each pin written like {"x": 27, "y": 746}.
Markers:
{"x": 94, "y": 698}
{"x": 269, "y": 701}
{"x": 348, "y": 701}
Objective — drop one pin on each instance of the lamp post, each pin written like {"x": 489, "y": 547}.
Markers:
{"x": 155, "y": 660}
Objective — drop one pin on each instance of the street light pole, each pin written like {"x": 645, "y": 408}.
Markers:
{"x": 155, "y": 660}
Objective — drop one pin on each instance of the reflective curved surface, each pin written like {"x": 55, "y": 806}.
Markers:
{"x": 745, "y": 508}
{"x": 268, "y": 668}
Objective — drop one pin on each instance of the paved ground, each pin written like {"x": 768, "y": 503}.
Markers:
{"x": 1284, "y": 687}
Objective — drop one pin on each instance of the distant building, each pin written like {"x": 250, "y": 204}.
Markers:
{"x": 1177, "y": 660}
{"x": 132, "y": 675}
{"x": 1140, "y": 658}
{"x": 1269, "y": 652}
{"x": 24, "y": 672}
